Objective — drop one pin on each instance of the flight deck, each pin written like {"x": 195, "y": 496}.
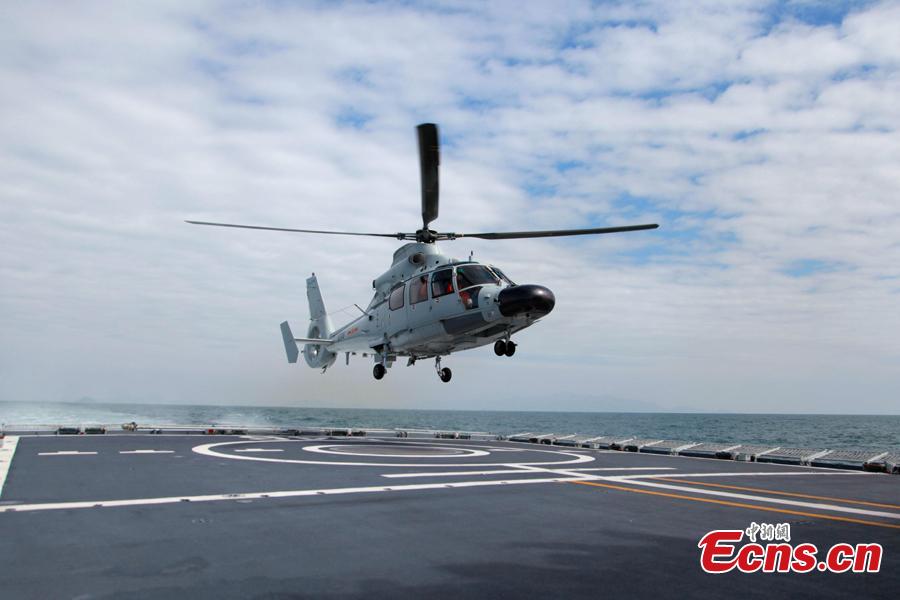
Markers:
{"x": 139, "y": 515}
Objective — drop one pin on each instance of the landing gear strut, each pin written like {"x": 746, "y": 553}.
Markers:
{"x": 445, "y": 374}
{"x": 504, "y": 347}
{"x": 379, "y": 371}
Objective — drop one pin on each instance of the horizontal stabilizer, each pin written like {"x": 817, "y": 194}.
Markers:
{"x": 290, "y": 345}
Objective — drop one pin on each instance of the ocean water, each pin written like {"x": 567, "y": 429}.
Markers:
{"x": 822, "y": 431}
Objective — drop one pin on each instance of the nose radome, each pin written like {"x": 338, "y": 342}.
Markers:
{"x": 521, "y": 299}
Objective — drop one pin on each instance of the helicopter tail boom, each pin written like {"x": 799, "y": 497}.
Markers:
{"x": 290, "y": 342}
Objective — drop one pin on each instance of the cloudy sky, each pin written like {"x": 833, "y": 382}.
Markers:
{"x": 762, "y": 136}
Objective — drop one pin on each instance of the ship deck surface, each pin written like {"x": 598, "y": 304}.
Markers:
{"x": 149, "y": 516}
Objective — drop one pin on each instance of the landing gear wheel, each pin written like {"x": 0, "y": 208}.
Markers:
{"x": 445, "y": 374}
{"x": 510, "y": 348}
{"x": 379, "y": 371}
{"x": 500, "y": 347}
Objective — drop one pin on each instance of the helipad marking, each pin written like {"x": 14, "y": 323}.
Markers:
{"x": 7, "y": 450}
{"x": 146, "y": 452}
{"x": 509, "y": 471}
{"x": 259, "y": 450}
{"x": 65, "y": 453}
{"x": 452, "y": 473}
{"x": 537, "y": 469}
{"x": 208, "y": 450}
{"x": 324, "y": 449}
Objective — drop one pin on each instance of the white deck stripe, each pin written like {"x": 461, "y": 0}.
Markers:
{"x": 451, "y": 473}
{"x": 757, "y": 498}
{"x": 273, "y": 494}
{"x": 508, "y": 471}
{"x": 146, "y": 451}
{"x": 563, "y": 472}
{"x": 259, "y": 450}
{"x": 65, "y": 453}
{"x": 816, "y": 455}
{"x": 379, "y": 489}
{"x": 831, "y": 472}
{"x": 633, "y": 469}
{"x": 7, "y": 450}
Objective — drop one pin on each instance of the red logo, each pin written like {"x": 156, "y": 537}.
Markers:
{"x": 720, "y": 552}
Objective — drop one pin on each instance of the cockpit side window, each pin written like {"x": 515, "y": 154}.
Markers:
{"x": 441, "y": 283}
{"x": 396, "y": 299}
{"x": 471, "y": 275}
{"x": 418, "y": 289}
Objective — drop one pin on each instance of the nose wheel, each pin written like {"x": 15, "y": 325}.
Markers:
{"x": 445, "y": 374}
{"x": 504, "y": 348}
{"x": 379, "y": 371}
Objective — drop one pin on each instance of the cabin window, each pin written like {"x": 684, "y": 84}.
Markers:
{"x": 442, "y": 283}
{"x": 396, "y": 299}
{"x": 418, "y": 289}
{"x": 471, "y": 275}
{"x": 469, "y": 297}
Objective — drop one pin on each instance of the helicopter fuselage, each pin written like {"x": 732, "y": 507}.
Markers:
{"x": 428, "y": 305}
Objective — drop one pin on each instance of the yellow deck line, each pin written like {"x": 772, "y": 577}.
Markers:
{"x": 738, "y": 504}
{"x": 780, "y": 493}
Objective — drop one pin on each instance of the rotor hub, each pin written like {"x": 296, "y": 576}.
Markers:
{"x": 426, "y": 236}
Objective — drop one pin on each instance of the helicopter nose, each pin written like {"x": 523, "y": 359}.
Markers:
{"x": 520, "y": 299}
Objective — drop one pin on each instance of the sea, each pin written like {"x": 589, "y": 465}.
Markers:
{"x": 845, "y": 432}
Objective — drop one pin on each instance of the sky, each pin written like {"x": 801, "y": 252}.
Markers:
{"x": 761, "y": 136}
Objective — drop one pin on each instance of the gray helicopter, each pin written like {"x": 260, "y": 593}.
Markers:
{"x": 427, "y": 305}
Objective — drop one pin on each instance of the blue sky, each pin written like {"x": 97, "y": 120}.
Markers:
{"x": 762, "y": 136}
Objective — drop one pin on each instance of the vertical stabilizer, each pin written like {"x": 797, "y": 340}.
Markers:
{"x": 317, "y": 314}
{"x": 290, "y": 344}
{"x": 320, "y": 327}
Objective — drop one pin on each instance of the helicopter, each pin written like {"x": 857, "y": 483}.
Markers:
{"x": 427, "y": 304}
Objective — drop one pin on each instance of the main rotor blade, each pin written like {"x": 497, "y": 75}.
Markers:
{"x": 397, "y": 236}
{"x": 429, "y": 159}
{"x": 512, "y": 235}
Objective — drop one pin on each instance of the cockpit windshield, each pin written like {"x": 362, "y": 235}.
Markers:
{"x": 471, "y": 275}
{"x": 502, "y": 276}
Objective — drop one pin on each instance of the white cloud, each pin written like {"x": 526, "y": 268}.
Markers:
{"x": 757, "y": 147}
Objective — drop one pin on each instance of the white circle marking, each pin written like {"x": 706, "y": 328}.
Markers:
{"x": 208, "y": 450}
{"x": 325, "y": 450}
